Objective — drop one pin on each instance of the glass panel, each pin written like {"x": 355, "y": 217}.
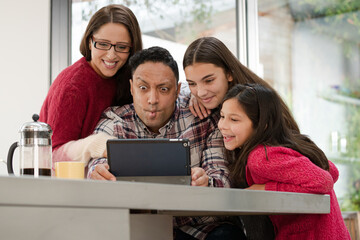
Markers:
{"x": 172, "y": 24}
{"x": 309, "y": 51}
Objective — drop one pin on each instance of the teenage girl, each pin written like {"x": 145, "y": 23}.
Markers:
{"x": 265, "y": 154}
{"x": 211, "y": 70}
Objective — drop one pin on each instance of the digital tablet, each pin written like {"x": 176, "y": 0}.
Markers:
{"x": 150, "y": 160}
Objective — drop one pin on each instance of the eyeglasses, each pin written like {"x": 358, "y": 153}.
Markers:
{"x": 119, "y": 47}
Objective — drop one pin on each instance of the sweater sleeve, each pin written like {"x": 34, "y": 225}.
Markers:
{"x": 104, "y": 129}
{"x": 82, "y": 150}
{"x": 287, "y": 170}
{"x": 66, "y": 114}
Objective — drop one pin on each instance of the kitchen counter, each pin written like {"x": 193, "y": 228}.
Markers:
{"x": 48, "y": 208}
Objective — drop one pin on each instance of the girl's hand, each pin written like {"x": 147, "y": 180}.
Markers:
{"x": 257, "y": 187}
{"x": 199, "y": 177}
{"x": 197, "y": 109}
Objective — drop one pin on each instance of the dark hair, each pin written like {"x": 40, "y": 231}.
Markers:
{"x": 263, "y": 107}
{"x": 212, "y": 50}
{"x": 115, "y": 13}
{"x": 154, "y": 54}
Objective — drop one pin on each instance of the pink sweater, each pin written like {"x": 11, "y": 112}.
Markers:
{"x": 288, "y": 171}
{"x": 75, "y": 102}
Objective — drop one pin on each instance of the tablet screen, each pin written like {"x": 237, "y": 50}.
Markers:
{"x": 149, "y": 157}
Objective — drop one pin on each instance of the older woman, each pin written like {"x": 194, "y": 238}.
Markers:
{"x": 84, "y": 90}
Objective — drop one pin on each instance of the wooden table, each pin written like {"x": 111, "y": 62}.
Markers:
{"x": 48, "y": 208}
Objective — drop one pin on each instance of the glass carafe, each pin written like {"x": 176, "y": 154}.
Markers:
{"x": 35, "y": 149}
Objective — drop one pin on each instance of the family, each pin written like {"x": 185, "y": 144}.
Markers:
{"x": 242, "y": 134}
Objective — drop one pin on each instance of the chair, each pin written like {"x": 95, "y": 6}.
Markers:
{"x": 352, "y": 222}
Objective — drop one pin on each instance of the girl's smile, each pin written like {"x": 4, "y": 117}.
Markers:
{"x": 228, "y": 138}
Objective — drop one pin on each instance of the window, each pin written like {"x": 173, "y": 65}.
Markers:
{"x": 309, "y": 51}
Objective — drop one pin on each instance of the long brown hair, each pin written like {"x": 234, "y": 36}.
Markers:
{"x": 115, "y": 13}
{"x": 212, "y": 50}
{"x": 263, "y": 107}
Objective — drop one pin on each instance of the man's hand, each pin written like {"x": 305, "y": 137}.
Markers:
{"x": 101, "y": 172}
{"x": 257, "y": 187}
{"x": 199, "y": 177}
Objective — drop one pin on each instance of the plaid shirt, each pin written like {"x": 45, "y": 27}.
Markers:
{"x": 206, "y": 148}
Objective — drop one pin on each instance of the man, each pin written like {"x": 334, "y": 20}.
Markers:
{"x": 156, "y": 113}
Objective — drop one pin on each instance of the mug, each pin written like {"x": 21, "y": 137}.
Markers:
{"x": 71, "y": 170}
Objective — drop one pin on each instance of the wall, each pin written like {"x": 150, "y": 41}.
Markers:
{"x": 24, "y": 66}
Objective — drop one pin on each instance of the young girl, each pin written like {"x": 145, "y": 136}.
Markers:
{"x": 100, "y": 79}
{"x": 267, "y": 155}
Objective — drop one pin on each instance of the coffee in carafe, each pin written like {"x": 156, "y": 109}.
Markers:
{"x": 35, "y": 149}
{"x": 31, "y": 171}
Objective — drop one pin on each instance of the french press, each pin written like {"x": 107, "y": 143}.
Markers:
{"x": 35, "y": 149}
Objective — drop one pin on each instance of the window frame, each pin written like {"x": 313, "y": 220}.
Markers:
{"x": 60, "y": 36}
